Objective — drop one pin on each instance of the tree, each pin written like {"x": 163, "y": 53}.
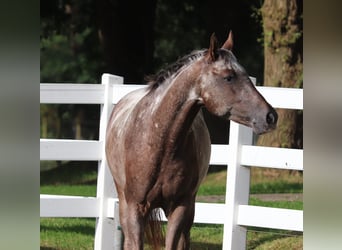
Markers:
{"x": 283, "y": 65}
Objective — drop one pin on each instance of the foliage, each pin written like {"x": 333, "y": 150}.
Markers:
{"x": 178, "y": 30}
{"x": 69, "y": 45}
{"x": 73, "y": 51}
{"x": 61, "y": 63}
{"x": 70, "y": 51}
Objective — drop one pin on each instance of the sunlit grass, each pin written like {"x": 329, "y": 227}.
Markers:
{"x": 67, "y": 233}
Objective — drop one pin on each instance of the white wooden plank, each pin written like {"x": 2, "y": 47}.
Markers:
{"x": 219, "y": 154}
{"x": 72, "y": 150}
{"x": 286, "y": 219}
{"x": 270, "y": 157}
{"x": 71, "y": 93}
{"x": 210, "y": 213}
{"x": 68, "y": 206}
{"x": 289, "y": 98}
{"x": 121, "y": 90}
{"x": 94, "y": 94}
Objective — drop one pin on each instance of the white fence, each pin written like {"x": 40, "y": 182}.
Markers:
{"x": 235, "y": 214}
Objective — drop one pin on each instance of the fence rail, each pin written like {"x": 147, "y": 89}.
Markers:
{"x": 239, "y": 156}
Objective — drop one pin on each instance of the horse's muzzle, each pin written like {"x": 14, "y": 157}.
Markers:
{"x": 272, "y": 118}
{"x": 269, "y": 123}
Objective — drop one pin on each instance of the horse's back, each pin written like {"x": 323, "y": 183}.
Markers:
{"x": 123, "y": 109}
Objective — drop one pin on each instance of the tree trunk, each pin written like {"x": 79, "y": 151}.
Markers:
{"x": 283, "y": 47}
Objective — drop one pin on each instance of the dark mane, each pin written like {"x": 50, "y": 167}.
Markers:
{"x": 159, "y": 78}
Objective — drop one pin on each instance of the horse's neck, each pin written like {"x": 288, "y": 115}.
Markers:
{"x": 176, "y": 109}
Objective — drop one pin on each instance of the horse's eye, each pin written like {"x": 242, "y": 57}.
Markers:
{"x": 229, "y": 78}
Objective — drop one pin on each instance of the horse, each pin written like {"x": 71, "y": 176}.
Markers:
{"x": 158, "y": 144}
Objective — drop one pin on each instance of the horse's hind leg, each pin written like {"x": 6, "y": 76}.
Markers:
{"x": 132, "y": 223}
{"x": 180, "y": 220}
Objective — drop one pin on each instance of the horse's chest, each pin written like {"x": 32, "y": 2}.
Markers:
{"x": 183, "y": 175}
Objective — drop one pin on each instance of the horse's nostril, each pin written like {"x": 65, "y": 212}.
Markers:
{"x": 271, "y": 117}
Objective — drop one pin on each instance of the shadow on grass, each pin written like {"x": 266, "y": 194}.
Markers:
{"x": 73, "y": 172}
{"x": 205, "y": 246}
{"x": 197, "y": 246}
{"x": 259, "y": 240}
{"x": 258, "y": 236}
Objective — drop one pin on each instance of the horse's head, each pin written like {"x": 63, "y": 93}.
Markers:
{"x": 227, "y": 91}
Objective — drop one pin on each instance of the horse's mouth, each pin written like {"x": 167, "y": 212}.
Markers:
{"x": 262, "y": 128}
{"x": 240, "y": 119}
{"x": 258, "y": 127}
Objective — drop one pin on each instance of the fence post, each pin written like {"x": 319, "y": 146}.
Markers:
{"x": 105, "y": 227}
{"x": 237, "y": 187}
{"x": 118, "y": 235}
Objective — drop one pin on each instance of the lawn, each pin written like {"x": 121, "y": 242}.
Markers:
{"x": 78, "y": 233}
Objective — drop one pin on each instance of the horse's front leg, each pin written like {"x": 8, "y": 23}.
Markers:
{"x": 180, "y": 219}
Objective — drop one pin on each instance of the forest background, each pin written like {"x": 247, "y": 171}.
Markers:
{"x": 81, "y": 40}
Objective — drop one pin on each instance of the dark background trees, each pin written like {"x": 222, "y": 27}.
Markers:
{"x": 81, "y": 39}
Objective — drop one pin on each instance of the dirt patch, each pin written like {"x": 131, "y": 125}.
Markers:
{"x": 263, "y": 197}
{"x": 210, "y": 198}
{"x": 278, "y": 197}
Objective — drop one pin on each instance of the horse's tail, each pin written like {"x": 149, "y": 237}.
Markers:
{"x": 154, "y": 231}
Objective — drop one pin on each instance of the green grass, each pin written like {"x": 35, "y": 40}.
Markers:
{"x": 67, "y": 233}
{"x": 298, "y": 205}
{"x": 82, "y": 190}
{"x": 78, "y": 233}
{"x": 280, "y": 186}
{"x": 215, "y": 184}
{"x": 206, "y": 236}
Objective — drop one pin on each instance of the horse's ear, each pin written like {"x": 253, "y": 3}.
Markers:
{"x": 229, "y": 42}
{"x": 212, "y": 51}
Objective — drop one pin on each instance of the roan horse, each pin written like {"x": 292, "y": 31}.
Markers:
{"x": 158, "y": 145}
